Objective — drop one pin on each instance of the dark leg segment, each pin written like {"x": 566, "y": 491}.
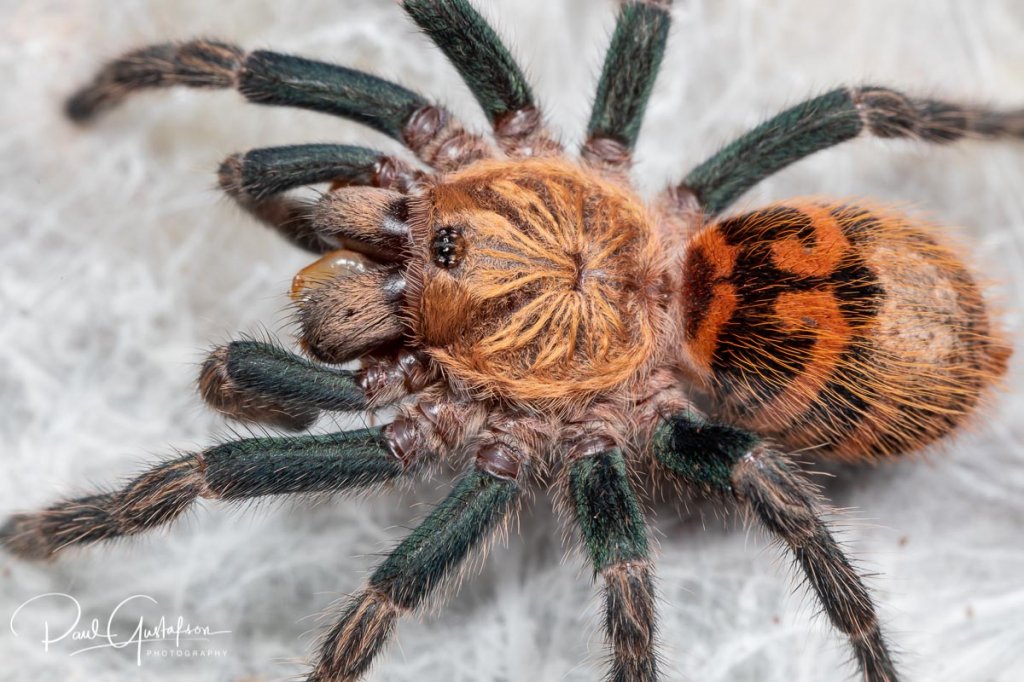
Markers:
{"x": 835, "y": 117}
{"x": 259, "y": 174}
{"x": 272, "y": 78}
{"x": 476, "y": 51}
{"x": 726, "y": 460}
{"x": 627, "y": 78}
{"x": 256, "y": 178}
{"x": 480, "y": 503}
{"x": 488, "y": 69}
{"x": 612, "y": 525}
{"x": 260, "y": 382}
{"x": 232, "y": 471}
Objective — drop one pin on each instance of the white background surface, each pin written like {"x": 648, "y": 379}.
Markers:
{"x": 121, "y": 264}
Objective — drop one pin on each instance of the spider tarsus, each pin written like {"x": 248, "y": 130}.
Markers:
{"x": 787, "y": 506}
{"x": 80, "y": 107}
{"x": 350, "y": 647}
{"x": 195, "y": 63}
{"x": 888, "y": 113}
{"x": 25, "y": 536}
{"x": 151, "y": 499}
{"x": 873, "y": 657}
{"x": 229, "y": 178}
{"x": 630, "y": 621}
{"x": 221, "y": 391}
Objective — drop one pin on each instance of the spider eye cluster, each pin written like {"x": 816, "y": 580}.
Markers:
{"x": 448, "y": 246}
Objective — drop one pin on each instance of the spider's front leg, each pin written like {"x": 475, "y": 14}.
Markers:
{"x": 721, "y": 459}
{"x": 258, "y": 179}
{"x": 258, "y": 382}
{"x": 245, "y": 469}
{"x": 232, "y": 471}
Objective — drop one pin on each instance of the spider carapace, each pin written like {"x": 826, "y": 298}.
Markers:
{"x": 555, "y": 289}
{"x": 534, "y": 319}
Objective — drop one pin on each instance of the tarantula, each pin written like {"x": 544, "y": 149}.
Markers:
{"x": 532, "y": 317}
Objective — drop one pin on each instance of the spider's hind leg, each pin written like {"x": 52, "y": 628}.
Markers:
{"x": 827, "y": 120}
{"x": 725, "y": 460}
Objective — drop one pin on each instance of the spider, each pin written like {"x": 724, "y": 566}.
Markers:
{"x": 538, "y": 324}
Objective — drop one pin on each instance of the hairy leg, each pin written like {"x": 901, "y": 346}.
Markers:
{"x": 231, "y": 471}
{"x": 259, "y": 382}
{"x": 829, "y": 119}
{"x": 611, "y": 523}
{"x": 257, "y": 178}
{"x": 480, "y": 504}
{"x": 489, "y": 70}
{"x": 278, "y": 79}
{"x": 721, "y": 459}
{"x": 627, "y": 78}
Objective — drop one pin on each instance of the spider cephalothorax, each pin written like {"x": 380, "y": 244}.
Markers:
{"x": 557, "y": 292}
{"x": 539, "y": 322}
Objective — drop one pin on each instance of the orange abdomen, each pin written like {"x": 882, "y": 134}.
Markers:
{"x": 836, "y": 326}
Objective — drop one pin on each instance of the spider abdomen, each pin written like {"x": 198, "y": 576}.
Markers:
{"x": 539, "y": 280}
{"x": 837, "y": 326}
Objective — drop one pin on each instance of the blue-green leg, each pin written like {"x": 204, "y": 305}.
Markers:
{"x": 283, "y": 80}
{"x": 489, "y": 70}
{"x": 256, "y": 180}
{"x": 232, "y": 471}
{"x": 832, "y": 118}
{"x": 612, "y": 527}
{"x": 259, "y": 382}
{"x": 481, "y": 502}
{"x": 491, "y": 73}
{"x": 724, "y": 460}
{"x": 630, "y": 69}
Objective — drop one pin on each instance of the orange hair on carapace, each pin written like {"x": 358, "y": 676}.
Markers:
{"x": 842, "y": 326}
{"x": 562, "y": 290}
